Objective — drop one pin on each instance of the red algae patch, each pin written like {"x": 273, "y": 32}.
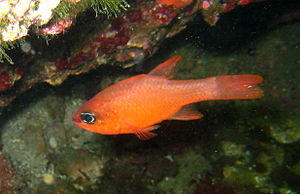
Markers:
{"x": 7, "y": 177}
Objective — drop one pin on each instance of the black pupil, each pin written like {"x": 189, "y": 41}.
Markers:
{"x": 88, "y": 118}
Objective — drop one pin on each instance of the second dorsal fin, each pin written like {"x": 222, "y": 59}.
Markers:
{"x": 166, "y": 69}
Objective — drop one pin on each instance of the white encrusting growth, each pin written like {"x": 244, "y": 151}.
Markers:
{"x": 20, "y": 15}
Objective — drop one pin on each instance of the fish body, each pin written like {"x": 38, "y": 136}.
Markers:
{"x": 137, "y": 104}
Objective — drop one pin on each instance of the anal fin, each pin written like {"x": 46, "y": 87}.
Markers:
{"x": 145, "y": 134}
{"x": 187, "y": 112}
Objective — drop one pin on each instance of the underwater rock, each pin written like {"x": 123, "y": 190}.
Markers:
{"x": 85, "y": 42}
{"x": 212, "y": 9}
{"x": 17, "y": 16}
{"x": 256, "y": 169}
{"x": 83, "y": 167}
{"x": 8, "y": 181}
{"x": 213, "y": 187}
{"x": 43, "y": 130}
{"x": 191, "y": 167}
{"x": 232, "y": 148}
{"x": 286, "y": 132}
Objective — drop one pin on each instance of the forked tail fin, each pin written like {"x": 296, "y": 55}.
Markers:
{"x": 237, "y": 87}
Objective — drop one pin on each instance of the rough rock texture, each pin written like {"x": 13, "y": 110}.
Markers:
{"x": 83, "y": 42}
{"x": 45, "y": 147}
{"x": 8, "y": 181}
{"x": 16, "y": 17}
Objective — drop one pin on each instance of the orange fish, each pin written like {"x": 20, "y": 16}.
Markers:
{"x": 176, "y": 3}
{"x": 137, "y": 104}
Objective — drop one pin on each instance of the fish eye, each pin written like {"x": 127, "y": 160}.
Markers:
{"x": 88, "y": 118}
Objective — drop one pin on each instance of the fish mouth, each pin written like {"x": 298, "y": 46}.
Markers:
{"x": 80, "y": 124}
{"x": 76, "y": 117}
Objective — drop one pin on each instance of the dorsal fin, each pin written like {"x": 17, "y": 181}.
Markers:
{"x": 166, "y": 69}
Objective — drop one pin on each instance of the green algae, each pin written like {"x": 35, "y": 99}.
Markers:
{"x": 106, "y": 7}
{"x": 287, "y": 131}
{"x": 4, "y": 55}
{"x": 109, "y": 7}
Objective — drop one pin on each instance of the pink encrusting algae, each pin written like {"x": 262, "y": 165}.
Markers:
{"x": 7, "y": 177}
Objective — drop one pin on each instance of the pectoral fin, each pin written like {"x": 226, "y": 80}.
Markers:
{"x": 145, "y": 134}
{"x": 187, "y": 112}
